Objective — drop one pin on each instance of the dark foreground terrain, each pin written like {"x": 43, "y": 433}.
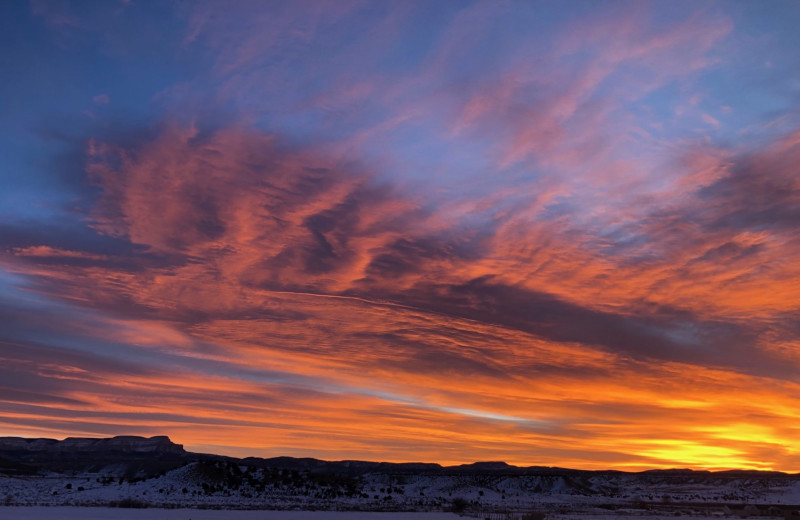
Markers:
{"x": 136, "y": 472}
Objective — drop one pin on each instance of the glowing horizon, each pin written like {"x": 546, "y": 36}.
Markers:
{"x": 403, "y": 231}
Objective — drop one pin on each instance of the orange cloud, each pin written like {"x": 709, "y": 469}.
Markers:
{"x": 279, "y": 295}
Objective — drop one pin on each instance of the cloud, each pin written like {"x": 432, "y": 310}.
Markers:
{"x": 230, "y": 214}
{"x": 548, "y": 109}
{"x": 233, "y": 209}
{"x": 481, "y": 245}
{"x": 711, "y": 120}
{"x": 48, "y": 252}
{"x": 56, "y": 13}
{"x": 760, "y": 192}
{"x": 277, "y": 269}
{"x": 269, "y": 218}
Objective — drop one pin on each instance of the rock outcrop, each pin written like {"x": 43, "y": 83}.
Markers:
{"x": 124, "y": 456}
{"x": 123, "y": 444}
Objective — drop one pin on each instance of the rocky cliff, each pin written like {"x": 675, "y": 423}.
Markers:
{"x": 125, "y": 444}
{"x": 127, "y": 456}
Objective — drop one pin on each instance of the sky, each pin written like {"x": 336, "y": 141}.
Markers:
{"x": 549, "y": 233}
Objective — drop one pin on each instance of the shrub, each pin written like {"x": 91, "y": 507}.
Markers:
{"x": 534, "y": 515}
{"x": 458, "y": 505}
{"x": 130, "y": 503}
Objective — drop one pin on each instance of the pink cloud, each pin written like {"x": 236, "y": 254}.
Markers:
{"x": 56, "y": 13}
{"x": 547, "y": 125}
{"x": 263, "y": 259}
{"x": 54, "y": 252}
{"x": 710, "y": 120}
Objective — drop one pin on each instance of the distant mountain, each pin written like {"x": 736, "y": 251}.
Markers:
{"x": 123, "y": 455}
{"x": 120, "y": 444}
{"x": 139, "y": 472}
{"x": 115, "y": 453}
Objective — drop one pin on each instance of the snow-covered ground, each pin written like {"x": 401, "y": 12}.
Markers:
{"x": 208, "y": 487}
{"x": 106, "y": 513}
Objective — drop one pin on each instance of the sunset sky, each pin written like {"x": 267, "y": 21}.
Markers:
{"x": 549, "y": 233}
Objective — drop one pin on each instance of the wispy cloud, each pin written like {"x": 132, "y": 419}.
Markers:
{"x": 446, "y": 232}
{"x": 255, "y": 258}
